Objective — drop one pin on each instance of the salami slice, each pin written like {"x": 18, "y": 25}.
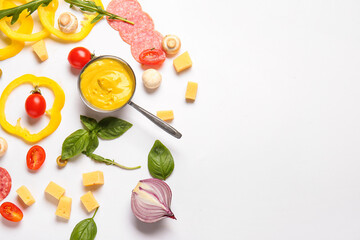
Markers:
{"x": 123, "y": 8}
{"x": 142, "y": 22}
{"x": 5, "y": 183}
{"x": 146, "y": 40}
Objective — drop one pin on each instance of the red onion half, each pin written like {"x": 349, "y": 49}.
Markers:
{"x": 151, "y": 200}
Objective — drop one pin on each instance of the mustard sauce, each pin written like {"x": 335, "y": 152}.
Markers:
{"x": 107, "y": 84}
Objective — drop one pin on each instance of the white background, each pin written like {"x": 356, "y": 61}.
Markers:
{"x": 270, "y": 148}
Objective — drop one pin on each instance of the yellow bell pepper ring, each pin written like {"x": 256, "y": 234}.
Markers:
{"x": 11, "y": 50}
{"x": 54, "y": 113}
{"x": 15, "y": 46}
{"x": 47, "y": 19}
{"x": 20, "y": 36}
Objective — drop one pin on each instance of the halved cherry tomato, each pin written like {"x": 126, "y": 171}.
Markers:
{"x": 152, "y": 56}
{"x": 79, "y": 57}
{"x": 11, "y": 212}
{"x": 35, "y": 104}
{"x": 35, "y": 157}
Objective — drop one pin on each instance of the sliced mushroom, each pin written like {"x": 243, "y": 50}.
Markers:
{"x": 171, "y": 44}
{"x": 68, "y": 22}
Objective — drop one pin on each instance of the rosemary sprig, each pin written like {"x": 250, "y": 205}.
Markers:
{"x": 90, "y": 6}
{"x": 15, "y": 12}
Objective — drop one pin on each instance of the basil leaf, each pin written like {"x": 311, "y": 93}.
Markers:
{"x": 75, "y": 144}
{"x": 111, "y": 128}
{"x": 88, "y": 122}
{"x": 160, "y": 161}
{"x": 93, "y": 142}
{"x": 84, "y": 230}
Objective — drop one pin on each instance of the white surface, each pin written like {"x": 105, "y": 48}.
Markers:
{"x": 270, "y": 148}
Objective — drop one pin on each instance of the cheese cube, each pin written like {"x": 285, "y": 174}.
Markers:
{"x": 25, "y": 195}
{"x": 93, "y": 178}
{"x": 89, "y": 201}
{"x": 191, "y": 91}
{"x": 165, "y": 115}
{"x": 55, "y": 190}
{"x": 182, "y": 62}
{"x": 40, "y": 50}
{"x": 63, "y": 209}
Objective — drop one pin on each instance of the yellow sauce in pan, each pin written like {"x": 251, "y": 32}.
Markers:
{"x": 107, "y": 84}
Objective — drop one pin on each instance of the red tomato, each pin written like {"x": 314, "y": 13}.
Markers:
{"x": 11, "y": 212}
{"x": 152, "y": 57}
{"x": 35, "y": 105}
{"x": 78, "y": 57}
{"x": 35, "y": 157}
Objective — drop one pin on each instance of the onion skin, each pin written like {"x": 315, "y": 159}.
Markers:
{"x": 151, "y": 200}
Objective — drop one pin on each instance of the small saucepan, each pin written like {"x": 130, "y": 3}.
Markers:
{"x": 165, "y": 126}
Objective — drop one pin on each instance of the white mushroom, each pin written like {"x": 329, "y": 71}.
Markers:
{"x": 151, "y": 79}
{"x": 3, "y": 146}
{"x": 171, "y": 44}
{"x": 68, "y": 22}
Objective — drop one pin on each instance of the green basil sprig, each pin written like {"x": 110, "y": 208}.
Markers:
{"x": 86, "y": 140}
{"x": 85, "y": 229}
{"x": 160, "y": 161}
{"x": 107, "y": 161}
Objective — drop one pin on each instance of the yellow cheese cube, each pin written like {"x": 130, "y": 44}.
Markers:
{"x": 25, "y": 195}
{"x": 89, "y": 201}
{"x": 63, "y": 209}
{"x": 182, "y": 62}
{"x": 165, "y": 115}
{"x": 93, "y": 178}
{"x": 55, "y": 190}
{"x": 191, "y": 91}
{"x": 40, "y": 50}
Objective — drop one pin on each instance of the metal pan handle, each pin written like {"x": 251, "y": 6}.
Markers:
{"x": 164, "y": 125}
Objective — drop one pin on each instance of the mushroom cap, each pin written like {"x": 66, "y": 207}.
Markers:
{"x": 151, "y": 78}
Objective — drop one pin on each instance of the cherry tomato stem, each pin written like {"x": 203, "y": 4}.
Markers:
{"x": 35, "y": 104}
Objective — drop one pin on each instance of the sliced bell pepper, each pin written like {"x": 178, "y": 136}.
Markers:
{"x": 54, "y": 113}
{"x": 47, "y": 18}
{"x": 20, "y": 36}
{"x": 15, "y": 46}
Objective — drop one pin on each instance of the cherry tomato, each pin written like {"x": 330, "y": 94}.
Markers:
{"x": 11, "y": 212}
{"x": 35, "y": 104}
{"x": 35, "y": 157}
{"x": 79, "y": 57}
{"x": 152, "y": 57}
